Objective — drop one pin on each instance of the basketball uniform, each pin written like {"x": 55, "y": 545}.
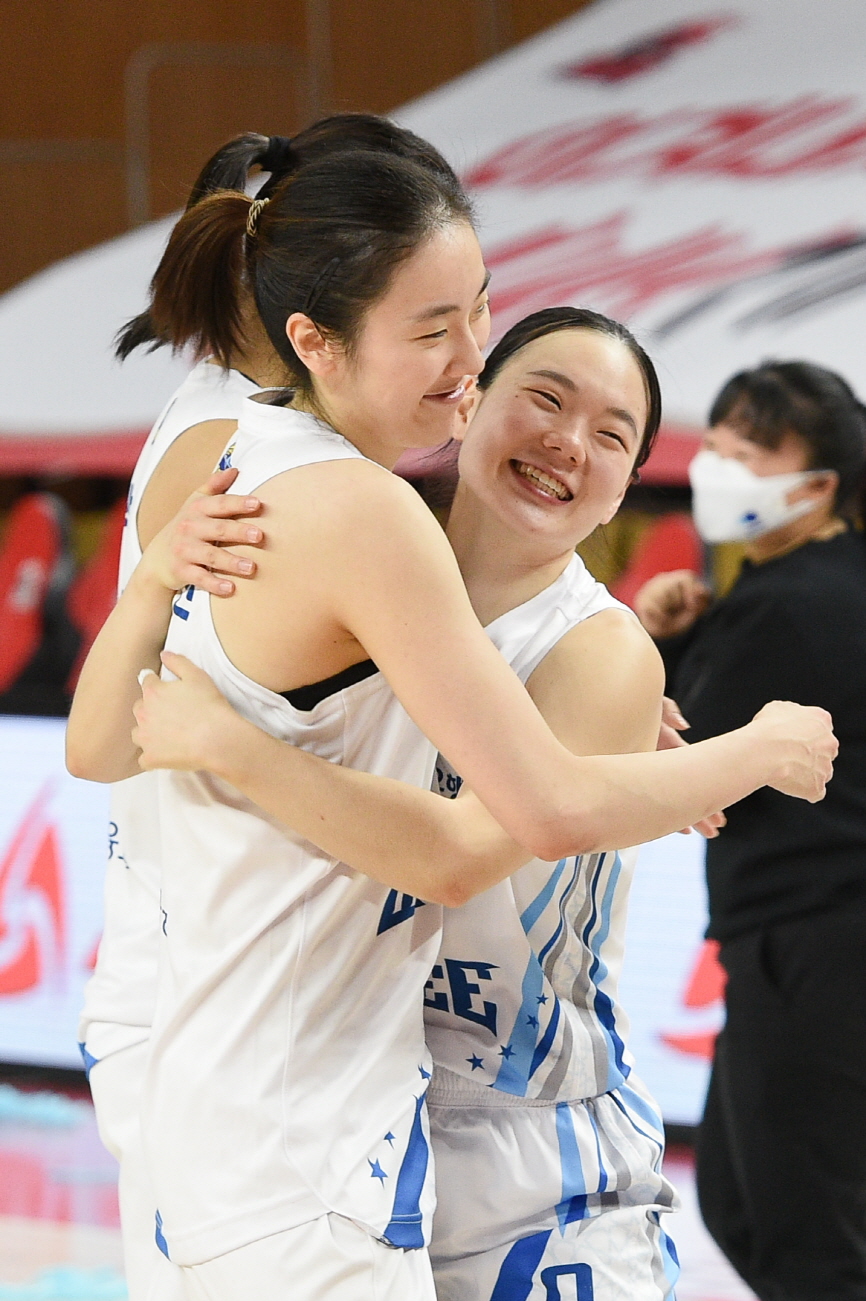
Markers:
{"x": 118, "y": 1010}
{"x": 288, "y": 1070}
{"x": 548, "y": 1148}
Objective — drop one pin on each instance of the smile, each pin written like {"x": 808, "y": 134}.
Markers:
{"x": 448, "y": 395}
{"x": 543, "y": 482}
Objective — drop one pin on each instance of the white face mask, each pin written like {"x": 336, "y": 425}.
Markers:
{"x": 731, "y": 503}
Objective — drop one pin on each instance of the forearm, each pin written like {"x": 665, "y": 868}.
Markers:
{"x": 98, "y": 742}
{"x": 444, "y": 851}
{"x": 628, "y": 799}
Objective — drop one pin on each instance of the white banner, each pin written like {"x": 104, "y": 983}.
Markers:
{"x": 694, "y": 167}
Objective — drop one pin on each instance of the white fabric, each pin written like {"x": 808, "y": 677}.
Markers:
{"x": 523, "y": 994}
{"x": 118, "y": 1006}
{"x": 115, "y": 1084}
{"x": 288, "y": 1067}
{"x": 328, "y": 1259}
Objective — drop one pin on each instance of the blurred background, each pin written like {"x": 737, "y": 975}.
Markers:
{"x": 697, "y": 169}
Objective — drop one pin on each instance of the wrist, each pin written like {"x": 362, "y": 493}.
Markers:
{"x": 228, "y": 744}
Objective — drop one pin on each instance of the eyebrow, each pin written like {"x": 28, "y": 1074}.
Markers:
{"x": 442, "y": 309}
{"x": 619, "y": 412}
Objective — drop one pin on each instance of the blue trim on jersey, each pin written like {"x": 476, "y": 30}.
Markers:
{"x": 517, "y": 1271}
{"x": 629, "y": 1101}
{"x": 546, "y": 1042}
{"x": 618, "y": 1069}
{"x": 406, "y": 1228}
{"x": 563, "y": 900}
{"x": 159, "y": 1237}
{"x": 533, "y": 911}
{"x": 572, "y": 1206}
{"x": 515, "y": 1070}
{"x": 670, "y": 1259}
{"x": 88, "y": 1059}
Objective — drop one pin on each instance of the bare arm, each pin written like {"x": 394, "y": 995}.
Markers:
{"x": 98, "y": 743}
{"x": 394, "y": 592}
{"x": 441, "y": 850}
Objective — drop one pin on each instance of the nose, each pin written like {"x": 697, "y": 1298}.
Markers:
{"x": 568, "y": 440}
{"x": 468, "y": 358}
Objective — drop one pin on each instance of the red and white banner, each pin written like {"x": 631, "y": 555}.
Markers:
{"x": 696, "y": 168}
{"x": 53, "y": 850}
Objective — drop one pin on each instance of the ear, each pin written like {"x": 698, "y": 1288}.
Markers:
{"x": 311, "y": 346}
{"x": 465, "y": 412}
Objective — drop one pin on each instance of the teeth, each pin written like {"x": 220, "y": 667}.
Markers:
{"x": 542, "y": 480}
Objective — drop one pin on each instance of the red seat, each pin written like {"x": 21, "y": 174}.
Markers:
{"x": 94, "y": 591}
{"x": 670, "y": 542}
{"x": 34, "y": 562}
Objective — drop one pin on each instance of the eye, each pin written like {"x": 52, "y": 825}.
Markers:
{"x": 547, "y": 397}
{"x": 618, "y": 438}
{"x": 438, "y": 334}
{"x": 482, "y": 307}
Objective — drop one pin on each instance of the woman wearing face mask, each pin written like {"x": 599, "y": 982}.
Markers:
{"x": 285, "y": 1113}
{"x": 781, "y": 471}
{"x": 548, "y": 1148}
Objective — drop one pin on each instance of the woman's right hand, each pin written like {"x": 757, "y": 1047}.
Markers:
{"x": 190, "y": 551}
{"x": 668, "y": 604}
{"x": 807, "y": 746}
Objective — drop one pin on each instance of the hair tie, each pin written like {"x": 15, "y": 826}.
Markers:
{"x": 253, "y": 215}
{"x": 319, "y": 286}
{"x": 280, "y": 156}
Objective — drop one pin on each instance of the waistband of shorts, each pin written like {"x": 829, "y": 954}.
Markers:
{"x": 450, "y": 1089}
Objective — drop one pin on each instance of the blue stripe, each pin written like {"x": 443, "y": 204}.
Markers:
{"x": 670, "y": 1259}
{"x": 516, "y": 1274}
{"x": 572, "y": 1205}
{"x": 563, "y": 899}
{"x": 514, "y": 1071}
{"x": 533, "y": 911}
{"x": 406, "y": 1228}
{"x": 88, "y": 1059}
{"x": 547, "y": 1041}
{"x": 602, "y": 1173}
{"x": 627, "y": 1101}
{"x": 159, "y": 1237}
{"x": 618, "y": 1070}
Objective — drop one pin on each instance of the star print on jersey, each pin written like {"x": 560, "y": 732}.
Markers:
{"x": 533, "y": 1021}
{"x": 389, "y": 1138}
{"x": 376, "y": 1171}
{"x": 542, "y": 998}
{"x": 475, "y": 1062}
{"x": 506, "y": 1052}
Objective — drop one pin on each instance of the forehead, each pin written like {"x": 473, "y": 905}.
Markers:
{"x": 600, "y": 366}
{"x": 446, "y": 270}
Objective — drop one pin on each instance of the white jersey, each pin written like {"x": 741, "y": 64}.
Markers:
{"x": 120, "y": 995}
{"x": 288, "y": 1067}
{"x": 522, "y": 998}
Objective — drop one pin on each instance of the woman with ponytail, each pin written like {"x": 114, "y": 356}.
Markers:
{"x": 284, "y": 1111}
{"x": 185, "y": 444}
{"x": 782, "y": 1146}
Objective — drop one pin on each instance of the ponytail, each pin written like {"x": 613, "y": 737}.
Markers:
{"x": 196, "y": 291}
{"x": 175, "y": 321}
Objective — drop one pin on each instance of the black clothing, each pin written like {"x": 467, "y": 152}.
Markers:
{"x": 793, "y": 628}
{"x": 782, "y": 1146}
{"x": 781, "y": 1168}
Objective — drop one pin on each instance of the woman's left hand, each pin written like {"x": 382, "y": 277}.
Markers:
{"x": 181, "y": 724}
{"x": 191, "y": 550}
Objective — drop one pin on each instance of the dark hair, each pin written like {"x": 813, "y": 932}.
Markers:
{"x": 553, "y": 319}
{"x": 782, "y": 397}
{"x": 230, "y": 168}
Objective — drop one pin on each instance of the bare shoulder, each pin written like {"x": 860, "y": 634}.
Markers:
{"x": 186, "y": 464}
{"x": 603, "y": 681}
{"x": 342, "y": 498}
